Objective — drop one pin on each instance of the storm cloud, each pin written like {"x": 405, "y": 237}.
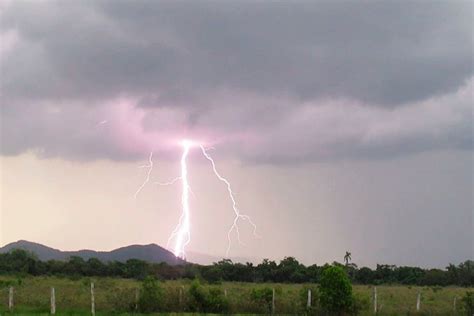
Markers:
{"x": 268, "y": 82}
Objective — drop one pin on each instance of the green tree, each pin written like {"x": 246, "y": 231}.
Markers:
{"x": 151, "y": 296}
{"x": 266, "y": 271}
{"x": 94, "y": 266}
{"x": 466, "y": 273}
{"x": 137, "y": 269}
{"x": 212, "y": 274}
{"x": 314, "y": 273}
{"x": 75, "y": 266}
{"x": 347, "y": 257}
{"x": 365, "y": 276}
{"x": 290, "y": 270}
{"x": 435, "y": 277}
{"x": 335, "y": 290}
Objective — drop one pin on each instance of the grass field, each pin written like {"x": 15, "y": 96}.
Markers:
{"x": 113, "y": 296}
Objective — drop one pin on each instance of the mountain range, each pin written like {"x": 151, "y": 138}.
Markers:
{"x": 150, "y": 253}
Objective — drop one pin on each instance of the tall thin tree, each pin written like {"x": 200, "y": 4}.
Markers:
{"x": 347, "y": 257}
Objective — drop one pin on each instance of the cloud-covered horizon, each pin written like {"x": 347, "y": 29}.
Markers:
{"x": 265, "y": 82}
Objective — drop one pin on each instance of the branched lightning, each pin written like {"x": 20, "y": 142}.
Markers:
{"x": 147, "y": 178}
{"x": 182, "y": 231}
{"x": 238, "y": 215}
{"x": 169, "y": 182}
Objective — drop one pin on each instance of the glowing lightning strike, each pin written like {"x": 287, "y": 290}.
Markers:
{"x": 182, "y": 232}
{"x": 169, "y": 182}
{"x": 238, "y": 215}
{"x": 150, "y": 169}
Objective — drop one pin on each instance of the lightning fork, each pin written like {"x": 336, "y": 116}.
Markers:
{"x": 147, "y": 179}
{"x": 237, "y": 213}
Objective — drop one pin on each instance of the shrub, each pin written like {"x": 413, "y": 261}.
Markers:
{"x": 151, "y": 296}
{"x": 468, "y": 302}
{"x": 207, "y": 301}
{"x": 212, "y": 274}
{"x": 5, "y": 284}
{"x": 335, "y": 290}
{"x": 122, "y": 300}
{"x": 359, "y": 303}
{"x": 263, "y": 297}
{"x": 217, "y": 302}
{"x": 198, "y": 296}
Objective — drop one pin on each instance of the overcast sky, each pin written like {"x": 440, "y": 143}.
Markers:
{"x": 342, "y": 125}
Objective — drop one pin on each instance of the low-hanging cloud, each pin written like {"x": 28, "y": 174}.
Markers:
{"x": 268, "y": 82}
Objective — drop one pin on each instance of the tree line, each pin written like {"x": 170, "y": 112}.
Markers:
{"x": 288, "y": 270}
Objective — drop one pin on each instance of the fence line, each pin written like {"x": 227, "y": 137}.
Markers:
{"x": 15, "y": 297}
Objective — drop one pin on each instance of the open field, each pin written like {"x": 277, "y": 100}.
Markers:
{"x": 32, "y": 296}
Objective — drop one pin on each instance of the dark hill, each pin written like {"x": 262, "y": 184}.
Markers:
{"x": 150, "y": 253}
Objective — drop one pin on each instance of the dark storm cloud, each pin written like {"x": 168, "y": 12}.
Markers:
{"x": 266, "y": 70}
{"x": 387, "y": 53}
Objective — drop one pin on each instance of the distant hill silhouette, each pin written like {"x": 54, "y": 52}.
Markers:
{"x": 150, "y": 253}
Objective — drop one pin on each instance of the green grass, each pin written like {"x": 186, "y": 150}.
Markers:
{"x": 32, "y": 297}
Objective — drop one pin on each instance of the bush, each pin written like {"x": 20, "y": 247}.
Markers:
{"x": 198, "y": 296}
{"x": 207, "y": 301}
{"x": 5, "y": 284}
{"x": 217, "y": 302}
{"x": 122, "y": 300}
{"x": 335, "y": 290}
{"x": 212, "y": 274}
{"x": 263, "y": 297}
{"x": 359, "y": 303}
{"x": 468, "y": 303}
{"x": 151, "y": 296}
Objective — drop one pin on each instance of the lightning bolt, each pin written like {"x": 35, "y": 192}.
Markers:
{"x": 237, "y": 213}
{"x": 147, "y": 178}
{"x": 169, "y": 182}
{"x": 182, "y": 231}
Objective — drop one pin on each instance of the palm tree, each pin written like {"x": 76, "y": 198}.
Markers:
{"x": 347, "y": 257}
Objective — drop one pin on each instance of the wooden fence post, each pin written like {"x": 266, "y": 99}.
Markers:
{"x": 10, "y": 299}
{"x": 273, "y": 301}
{"x": 92, "y": 300}
{"x": 308, "y": 302}
{"x": 418, "y": 301}
{"x": 53, "y": 301}
{"x": 375, "y": 300}
{"x": 137, "y": 298}
{"x": 180, "y": 297}
{"x": 225, "y": 292}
